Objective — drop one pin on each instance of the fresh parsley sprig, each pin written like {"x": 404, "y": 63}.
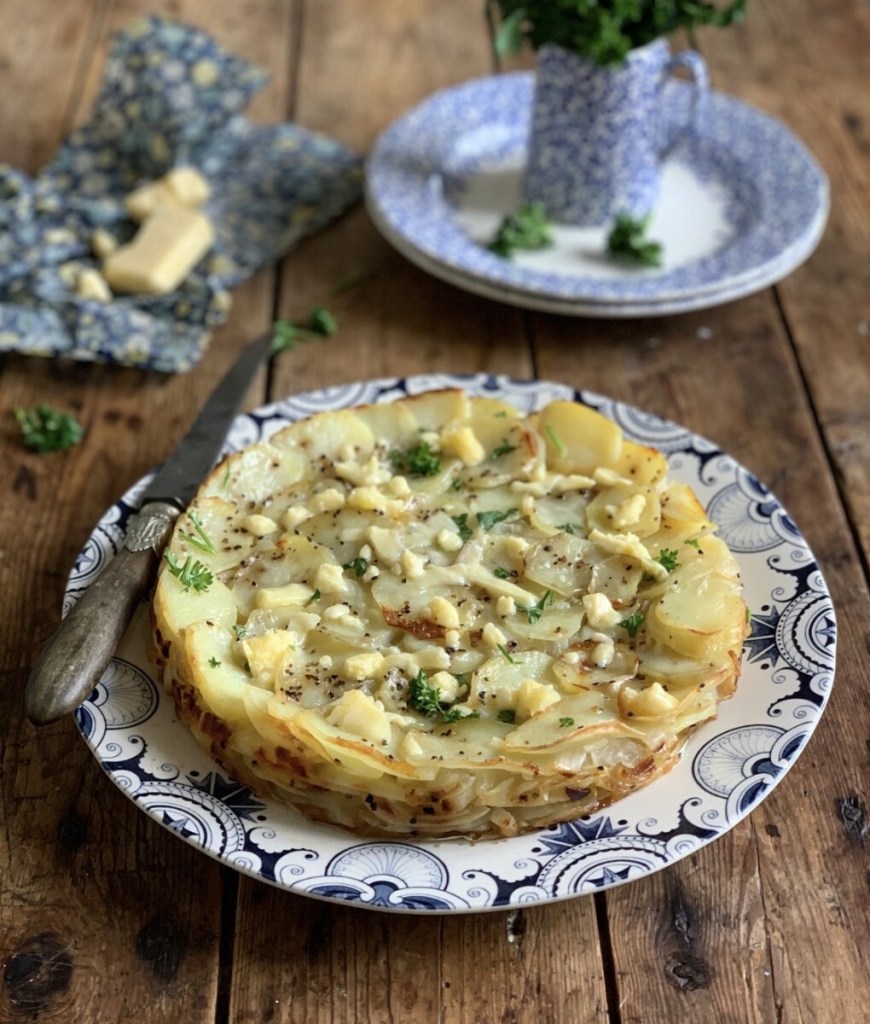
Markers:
{"x": 191, "y": 574}
{"x": 526, "y": 228}
{"x": 45, "y": 429}
{"x": 633, "y": 623}
{"x": 199, "y": 539}
{"x": 417, "y": 461}
{"x": 604, "y": 32}
{"x": 486, "y": 520}
{"x": 627, "y": 241}
{"x": 426, "y": 699}
{"x": 286, "y": 334}
{"x": 669, "y": 558}
{"x": 536, "y": 610}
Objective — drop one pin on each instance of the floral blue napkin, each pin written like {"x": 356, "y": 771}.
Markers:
{"x": 170, "y": 97}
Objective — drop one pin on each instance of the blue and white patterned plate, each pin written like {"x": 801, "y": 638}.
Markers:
{"x": 741, "y": 198}
{"x": 727, "y": 768}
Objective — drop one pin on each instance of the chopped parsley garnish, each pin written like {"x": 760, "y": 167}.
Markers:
{"x": 45, "y": 429}
{"x": 693, "y": 542}
{"x": 358, "y": 565}
{"x": 568, "y": 528}
{"x": 506, "y": 654}
{"x": 462, "y": 526}
{"x": 240, "y": 632}
{"x": 633, "y": 623}
{"x": 190, "y": 574}
{"x": 486, "y": 520}
{"x": 557, "y": 441}
{"x": 748, "y": 615}
{"x": 505, "y": 448}
{"x": 315, "y": 597}
{"x": 426, "y": 699}
{"x": 535, "y": 611}
{"x": 500, "y": 572}
{"x": 456, "y": 485}
{"x": 507, "y": 715}
{"x": 668, "y": 557}
{"x": 417, "y": 461}
{"x": 286, "y": 334}
{"x": 200, "y": 539}
{"x": 526, "y": 228}
{"x": 214, "y": 663}
{"x": 566, "y": 723}
{"x": 627, "y": 241}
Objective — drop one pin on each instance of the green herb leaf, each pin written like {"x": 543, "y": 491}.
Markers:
{"x": 566, "y": 723}
{"x": 200, "y": 539}
{"x": 45, "y": 429}
{"x": 669, "y": 558}
{"x": 604, "y": 32}
{"x": 693, "y": 542}
{"x": 286, "y": 334}
{"x": 558, "y": 443}
{"x": 509, "y": 35}
{"x": 500, "y": 572}
{"x": 507, "y": 715}
{"x": 214, "y": 663}
{"x": 417, "y": 461}
{"x": 456, "y": 485}
{"x": 526, "y": 228}
{"x": 506, "y": 654}
{"x": 359, "y": 566}
{"x": 633, "y": 623}
{"x": 462, "y": 526}
{"x": 748, "y": 615}
{"x": 505, "y": 448}
{"x": 316, "y": 595}
{"x": 535, "y": 611}
{"x": 627, "y": 241}
{"x": 568, "y": 528}
{"x": 426, "y": 699}
{"x": 191, "y": 574}
{"x": 486, "y": 520}
{"x": 240, "y": 632}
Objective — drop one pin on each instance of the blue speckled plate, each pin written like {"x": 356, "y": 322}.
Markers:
{"x": 741, "y": 200}
{"x": 728, "y": 767}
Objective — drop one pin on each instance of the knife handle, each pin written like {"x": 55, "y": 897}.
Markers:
{"x": 78, "y": 654}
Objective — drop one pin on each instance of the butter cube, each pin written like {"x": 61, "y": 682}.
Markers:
{"x": 182, "y": 186}
{"x": 91, "y": 284}
{"x": 165, "y": 250}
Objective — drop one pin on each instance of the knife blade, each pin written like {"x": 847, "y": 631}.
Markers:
{"x": 77, "y": 654}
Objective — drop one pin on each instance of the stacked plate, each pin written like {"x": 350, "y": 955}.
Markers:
{"x": 742, "y": 203}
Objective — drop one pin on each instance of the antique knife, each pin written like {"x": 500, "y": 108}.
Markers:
{"x": 78, "y": 653}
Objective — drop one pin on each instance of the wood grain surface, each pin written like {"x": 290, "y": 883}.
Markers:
{"x": 104, "y": 916}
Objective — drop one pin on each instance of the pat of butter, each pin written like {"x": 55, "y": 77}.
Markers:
{"x": 165, "y": 250}
{"x": 183, "y": 186}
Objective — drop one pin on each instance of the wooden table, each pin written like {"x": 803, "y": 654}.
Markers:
{"x": 104, "y": 916}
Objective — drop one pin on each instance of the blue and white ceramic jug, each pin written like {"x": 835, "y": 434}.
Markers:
{"x": 595, "y": 145}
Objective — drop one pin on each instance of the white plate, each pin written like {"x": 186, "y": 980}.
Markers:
{"x": 741, "y": 198}
{"x": 728, "y": 767}
{"x": 568, "y": 307}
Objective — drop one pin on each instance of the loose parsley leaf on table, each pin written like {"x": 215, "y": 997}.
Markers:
{"x": 286, "y": 334}
{"x": 627, "y": 241}
{"x": 45, "y": 429}
{"x": 190, "y": 573}
{"x": 526, "y": 228}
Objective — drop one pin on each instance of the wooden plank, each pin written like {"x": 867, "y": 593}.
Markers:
{"x": 807, "y": 63}
{"x": 337, "y": 964}
{"x": 39, "y": 64}
{"x": 720, "y": 385}
{"x": 98, "y": 916}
